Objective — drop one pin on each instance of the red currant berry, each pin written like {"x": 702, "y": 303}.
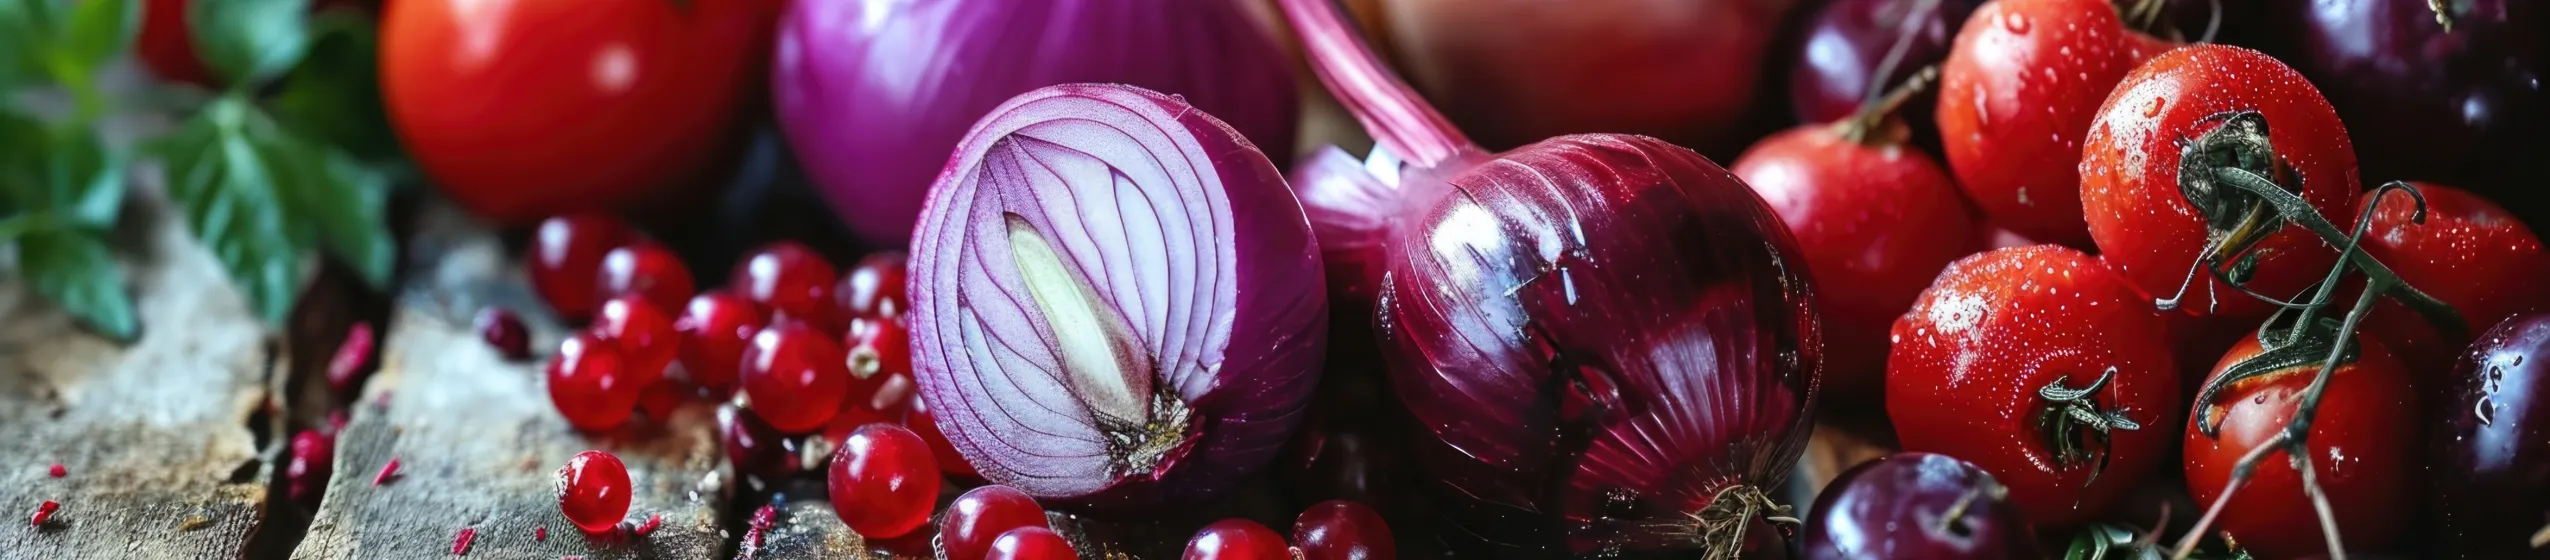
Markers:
{"x": 644, "y": 334}
{"x": 593, "y": 490}
{"x": 878, "y": 346}
{"x": 883, "y": 481}
{"x": 645, "y": 268}
{"x": 1236, "y": 539}
{"x": 313, "y": 457}
{"x": 984, "y": 514}
{"x": 504, "y": 330}
{"x": 1029, "y": 543}
{"x": 566, "y": 253}
{"x": 715, "y": 328}
{"x": 950, "y": 461}
{"x": 873, "y": 288}
{"x": 1343, "y": 530}
{"x": 663, "y": 397}
{"x": 789, "y": 278}
{"x": 793, "y": 377}
{"x": 590, "y": 383}
{"x": 754, "y": 448}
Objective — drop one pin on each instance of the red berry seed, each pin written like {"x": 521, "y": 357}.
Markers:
{"x": 44, "y": 512}
{"x": 714, "y": 328}
{"x": 504, "y": 330}
{"x": 790, "y": 279}
{"x": 593, "y": 491}
{"x": 590, "y": 384}
{"x": 644, "y": 334}
{"x": 59, "y": 472}
{"x": 883, "y": 481}
{"x": 794, "y": 377}
{"x": 566, "y": 254}
{"x": 460, "y": 545}
{"x": 647, "y": 269}
{"x": 388, "y": 471}
{"x": 1030, "y": 543}
{"x": 983, "y": 514}
{"x": 346, "y": 368}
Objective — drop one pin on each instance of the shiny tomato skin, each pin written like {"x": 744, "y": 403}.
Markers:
{"x": 2470, "y": 253}
{"x": 2365, "y": 444}
{"x": 2015, "y": 97}
{"x": 1969, "y": 359}
{"x": 2148, "y": 229}
{"x": 523, "y": 108}
{"x": 1876, "y": 223}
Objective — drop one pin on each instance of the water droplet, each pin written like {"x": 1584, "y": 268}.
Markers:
{"x": 2153, "y": 109}
{"x": 2017, "y": 24}
{"x": 1982, "y": 110}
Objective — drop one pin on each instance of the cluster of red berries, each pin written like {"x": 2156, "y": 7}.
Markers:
{"x": 1330, "y": 530}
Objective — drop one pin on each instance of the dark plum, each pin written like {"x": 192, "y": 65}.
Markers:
{"x": 1917, "y": 505}
{"x": 2463, "y": 106}
{"x": 2488, "y": 455}
{"x": 1847, "y": 40}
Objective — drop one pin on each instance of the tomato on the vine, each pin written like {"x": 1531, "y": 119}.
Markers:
{"x": 2158, "y": 179}
{"x": 2015, "y": 98}
{"x": 2364, "y": 445}
{"x": 523, "y": 108}
{"x": 2470, "y": 253}
{"x": 2042, "y": 367}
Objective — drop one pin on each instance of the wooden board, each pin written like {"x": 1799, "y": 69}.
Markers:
{"x": 160, "y": 439}
{"x": 479, "y": 443}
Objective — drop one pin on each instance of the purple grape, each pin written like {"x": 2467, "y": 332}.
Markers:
{"x": 2489, "y": 451}
{"x": 1848, "y": 39}
{"x": 2463, "y": 106}
{"x": 1911, "y": 506}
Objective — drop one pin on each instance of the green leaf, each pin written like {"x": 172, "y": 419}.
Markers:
{"x": 247, "y": 42}
{"x": 22, "y": 144}
{"x": 75, "y": 269}
{"x": 334, "y": 96}
{"x": 95, "y": 32}
{"x": 26, "y": 33}
{"x": 260, "y": 198}
{"x": 84, "y": 181}
{"x": 340, "y": 201}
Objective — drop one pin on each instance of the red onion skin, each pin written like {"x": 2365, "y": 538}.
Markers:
{"x": 1598, "y": 335}
{"x": 873, "y": 95}
{"x": 1238, "y": 338}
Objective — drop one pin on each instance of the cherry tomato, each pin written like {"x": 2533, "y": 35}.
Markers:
{"x": 1979, "y": 361}
{"x": 2364, "y": 446}
{"x": 1877, "y": 220}
{"x": 523, "y": 108}
{"x": 2470, "y": 253}
{"x": 2015, "y": 98}
{"x": 2236, "y": 108}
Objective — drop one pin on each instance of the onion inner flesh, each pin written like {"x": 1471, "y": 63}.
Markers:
{"x": 1107, "y": 372}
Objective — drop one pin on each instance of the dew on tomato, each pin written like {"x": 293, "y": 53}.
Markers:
{"x": 2363, "y": 443}
{"x": 2470, "y": 253}
{"x": 2015, "y": 98}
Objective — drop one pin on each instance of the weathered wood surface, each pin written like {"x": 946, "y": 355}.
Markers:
{"x": 160, "y": 439}
{"x": 479, "y": 443}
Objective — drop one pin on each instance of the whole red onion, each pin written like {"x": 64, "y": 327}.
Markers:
{"x": 1116, "y": 302}
{"x": 874, "y": 94}
{"x": 1607, "y": 340}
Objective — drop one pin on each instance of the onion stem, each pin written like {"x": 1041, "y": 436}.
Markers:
{"x": 1391, "y": 111}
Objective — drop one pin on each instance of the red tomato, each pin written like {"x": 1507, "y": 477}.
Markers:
{"x": 2216, "y": 101}
{"x": 167, "y": 47}
{"x": 2015, "y": 97}
{"x": 2364, "y": 447}
{"x": 524, "y": 108}
{"x": 2470, "y": 253}
{"x": 1877, "y": 221}
{"x": 1972, "y": 361}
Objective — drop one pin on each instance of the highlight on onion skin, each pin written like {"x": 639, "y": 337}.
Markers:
{"x": 1606, "y": 341}
{"x": 873, "y": 95}
{"x": 1116, "y": 301}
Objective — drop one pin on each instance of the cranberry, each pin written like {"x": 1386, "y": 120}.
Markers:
{"x": 306, "y": 476}
{"x": 715, "y": 328}
{"x": 883, "y": 481}
{"x": 1342, "y": 530}
{"x": 648, "y": 269}
{"x": 789, "y": 278}
{"x": 388, "y": 471}
{"x": 878, "y": 346}
{"x": 793, "y": 377}
{"x": 1236, "y": 539}
{"x": 644, "y": 334}
{"x": 57, "y": 471}
{"x": 593, "y": 490}
{"x": 984, "y": 514}
{"x": 663, "y": 397}
{"x": 590, "y": 383}
{"x": 1030, "y": 543}
{"x": 353, "y": 357}
{"x": 44, "y": 512}
{"x": 460, "y": 543}
{"x": 754, "y": 448}
{"x": 873, "y": 288}
{"x": 566, "y": 253}
{"x": 950, "y": 461}
{"x": 502, "y": 329}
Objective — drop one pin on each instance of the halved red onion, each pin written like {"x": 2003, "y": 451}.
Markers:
{"x": 1116, "y": 301}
